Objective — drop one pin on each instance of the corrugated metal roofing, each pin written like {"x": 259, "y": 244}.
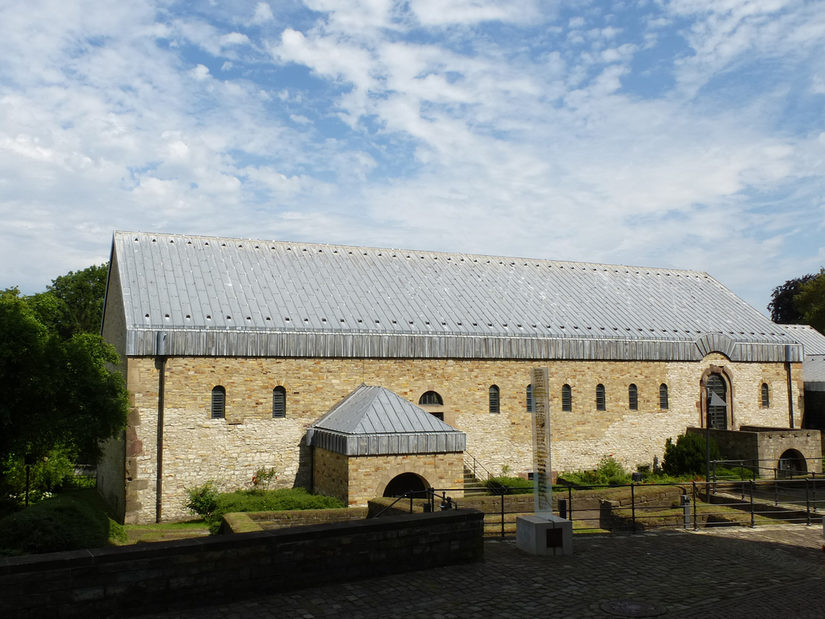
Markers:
{"x": 376, "y": 421}
{"x": 219, "y": 296}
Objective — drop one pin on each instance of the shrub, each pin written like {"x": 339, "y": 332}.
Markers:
{"x": 266, "y": 500}
{"x": 47, "y": 475}
{"x": 608, "y": 473}
{"x": 687, "y": 455}
{"x": 69, "y": 521}
{"x": 203, "y": 500}
{"x": 508, "y": 485}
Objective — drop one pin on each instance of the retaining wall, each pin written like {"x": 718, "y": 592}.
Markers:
{"x": 188, "y": 573}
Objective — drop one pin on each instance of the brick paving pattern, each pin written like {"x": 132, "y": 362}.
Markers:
{"x": 770, "y": 571}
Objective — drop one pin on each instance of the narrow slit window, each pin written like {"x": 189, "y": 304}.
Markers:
{"x": 278, "y": 402}
{"x": 766, "y": 396}
{"x": 633, "y": 397}
{"x": 566, "y": 398}
{"x": 530, "y": 405}
{"x": 600, "y": 398}
{"x": 218, "y": 402}
{"x": 494, "y": 399}
{"x": 663, "y": 397}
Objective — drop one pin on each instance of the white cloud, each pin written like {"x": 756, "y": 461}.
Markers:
{"x": 263, "y": 13}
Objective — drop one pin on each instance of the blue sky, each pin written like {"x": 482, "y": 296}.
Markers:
{"x": 685, "y": 134}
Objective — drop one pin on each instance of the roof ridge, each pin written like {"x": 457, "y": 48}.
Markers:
{"x": 425, "y": 252}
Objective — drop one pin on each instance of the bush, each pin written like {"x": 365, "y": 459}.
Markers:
{"x": 266, "y": 501}
{"x": 69, "y": 521}
{"x": 203, "y": 500}
{"x": 46, "y": 476}
{"x": 687, "y": 455}
{"x": 508, "y": 485}
{"x": 608, "y": 473}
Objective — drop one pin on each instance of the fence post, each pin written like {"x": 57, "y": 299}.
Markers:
{"x": 813, "y": 490}
{"x": 752, "y": 488}
{"x": 570, "y": 503}
{"x": 695, "y": 521}
{"x": 807, "y": 503}
{"x": 502, "y": 515}
{"x": 775, "y": 489}
{"x": 633, "y": 505}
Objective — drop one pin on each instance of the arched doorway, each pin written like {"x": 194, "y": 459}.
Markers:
{"x": 716, "y": 403}
{"x": 791, "y": 463}
{"x": 404, "y": 483}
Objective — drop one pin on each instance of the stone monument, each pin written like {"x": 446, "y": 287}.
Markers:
{"x": 543, "y": 533}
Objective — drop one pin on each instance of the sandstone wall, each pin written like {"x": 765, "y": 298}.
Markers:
{"x": 228, "y": 451}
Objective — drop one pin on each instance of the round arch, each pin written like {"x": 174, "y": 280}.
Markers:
{"x": 791, "y": 463}
{"x": 404, "y": 483}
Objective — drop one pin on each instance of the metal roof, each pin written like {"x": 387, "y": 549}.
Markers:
{"x": 376, "y": 421}
{"x": 195, "y": 295}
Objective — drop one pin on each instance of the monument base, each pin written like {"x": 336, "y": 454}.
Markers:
{"x": 544, "y": 535}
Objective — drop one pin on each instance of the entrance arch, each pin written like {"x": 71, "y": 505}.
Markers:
{"x": 791, "y": 463}
{"x": 404, "y": 483}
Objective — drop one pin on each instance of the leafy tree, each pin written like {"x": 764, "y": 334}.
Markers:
{"x": 782, "y": 306}
{"x": 687, "y": 455}
{"x": 80, "y": 295}
{"x": 810, "y": 301}
{"x": 57, "y": 393}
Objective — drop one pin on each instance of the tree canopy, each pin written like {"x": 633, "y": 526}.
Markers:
{"x": 810, "y": 301}
{"x": 782, "y": 306}
{"x": 58, "y": 390}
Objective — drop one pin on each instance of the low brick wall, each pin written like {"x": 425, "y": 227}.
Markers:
{"x": 186, "y": 573}
{"x": 246, "y": 522}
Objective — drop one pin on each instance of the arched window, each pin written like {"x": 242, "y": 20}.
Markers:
{"x": 279, "y": 402}
{"x": 218, "y": 402}
{"x": 430, "y": 398}
{"x": 717, "y": 402}
{"x": 530, "y": 407}
{"x": 566, "y": 398}
{"x": 663, "y": 399}
{"x": 494, "y": 399}
{"x": 766, "y": 396}
{"x": 633, "y": 397}
{"x": 600, "y": 403}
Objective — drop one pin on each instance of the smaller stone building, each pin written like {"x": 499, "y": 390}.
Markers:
{"x": 813, "y": 373}
{"x": 376, "y": 443}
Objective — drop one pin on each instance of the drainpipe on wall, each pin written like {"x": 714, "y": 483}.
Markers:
{"x": 160, "y": 364}
{"x": 790, "y": 384}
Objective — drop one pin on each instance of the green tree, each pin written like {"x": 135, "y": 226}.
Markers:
{"x": 687, "y": 455}
{"x": 810, "y": 301}
{"x": 782, "y": 306}
{"x": 80, "y": 295}
{"x": 57, "y": 393}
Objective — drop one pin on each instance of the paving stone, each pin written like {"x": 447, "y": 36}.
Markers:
{"x": 770, "y": 571}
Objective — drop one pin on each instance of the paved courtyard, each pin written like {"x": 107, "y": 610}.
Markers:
{"x": 770, "y": 571}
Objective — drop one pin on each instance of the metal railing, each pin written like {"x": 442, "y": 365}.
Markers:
{"x": 430, "y": 495}
{"x": 638, "y": 507}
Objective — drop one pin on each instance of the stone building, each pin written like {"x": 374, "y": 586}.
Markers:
{"x": 233, "y": 348}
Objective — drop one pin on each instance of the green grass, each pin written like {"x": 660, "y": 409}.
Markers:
{"x": 161, "y": 532}
{"x": 267, "y": 501}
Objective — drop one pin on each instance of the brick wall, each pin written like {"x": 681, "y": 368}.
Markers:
{"x": 189, "y": 573}
{"x": 228, "y": 451}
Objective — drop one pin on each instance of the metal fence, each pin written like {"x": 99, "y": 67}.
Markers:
{"x": 639, "y": 507}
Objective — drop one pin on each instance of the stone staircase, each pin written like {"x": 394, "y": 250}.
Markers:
{"x": 472, "y": 485}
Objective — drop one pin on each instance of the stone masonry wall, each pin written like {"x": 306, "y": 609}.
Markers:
{"x": 228, "y": 451}
{"x": 164, "y": 576}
